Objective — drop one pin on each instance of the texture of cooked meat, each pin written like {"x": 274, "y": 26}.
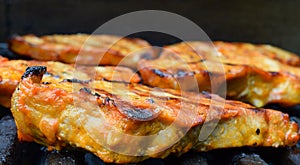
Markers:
{"x": 12, "y": 70}
{"x": 93, "y": 49}
{"x": 256, "y": 74}
{"x": 96, "y": 115}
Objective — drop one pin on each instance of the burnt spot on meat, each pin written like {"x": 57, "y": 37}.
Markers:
{"x": 206, "y": 94}
{"x": 88, "y": 90}
{"x": 137, "y": 113}
{"x": 46, "y": 83}
{"x": 131, "y": 111}
{"x": 107, "y": 101}
{"x": 196, "y": 62}
{"x": 96, "y": 94}
{"x": 232, "y": 64}
{"x": 183, "y": 73}
{"x": 115, "y": 81}
{"x": 102, "y": 100}
{"x": 274, "y": 73}
{"x": 257, "y": 110}
{"x": 74, "y": 80}
{"x": 150, "y": 100}
{"x": 159, "y": 73}
{"x": 34, "y": 71}
{"x": 257, "y": 131}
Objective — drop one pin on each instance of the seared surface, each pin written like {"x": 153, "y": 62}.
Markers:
{"x": 88, "y": 49}
{"x": 258, "y": 74}
{"x": 12, "y": 70}
{"x": 70, "y": 113}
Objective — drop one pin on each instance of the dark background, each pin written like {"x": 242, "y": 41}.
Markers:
{"x": 274, "y": 22}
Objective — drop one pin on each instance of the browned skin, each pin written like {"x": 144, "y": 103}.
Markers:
{"x": 12, "y": 70}
{"x": 93, "y": 49}
{"x": 247, "y": 49}
{"x": 56, "y": 114}
{"x": 258, "y": 74}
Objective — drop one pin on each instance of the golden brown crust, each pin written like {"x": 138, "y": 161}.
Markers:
{"x": 12, "y": 70}
{"x": 93, "y": 49}
{"x": 249, "y": 72}
{"x": 132, "y": 109}
{"x": 272, "y": 52}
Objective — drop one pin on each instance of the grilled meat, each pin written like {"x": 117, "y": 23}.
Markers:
{"x": 12, "y": 70}
{"x": 238, "y": 53}
{"x": 256, "y": 74}
{"x": 96, "y": 115}
{"x": 88, "y": 49}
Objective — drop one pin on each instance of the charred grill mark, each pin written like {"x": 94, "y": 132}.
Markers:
{"x": 46, "y": 83}
{"x": 86, "y": 90}
{"x": 74, "y": 80}
{"x": 96, "y": 94}
{"x": 108, "y": 101}
{"x": 183, "y": 73}
{"x": 231, "y": 64}
{"x": 178, "y": 74}
{"x": 104, "y": 100}
{"x": 150, "y": 100}
{"x": 51, "y": 74}
{"x": 274, "y": 73}
{"x": 115, "y": 81}
{"x": 257, "y": 131}
{"x": 136, "y": 113}
{"x": 159, "y": 73}
{"x": 103, "y": 91}
{"x": 34, "y": 71}
{"x": 196, "y": 62}
{"x": 206, "y": 94}
{"x": 257, "y": 110}
{"x": 130, "y": 111}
